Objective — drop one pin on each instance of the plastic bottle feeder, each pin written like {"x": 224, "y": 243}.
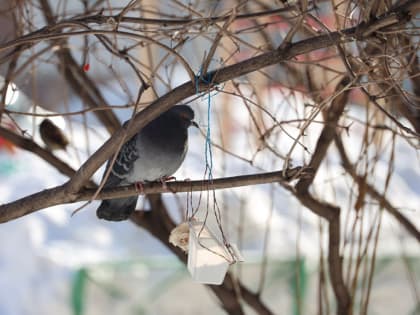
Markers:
{"x": 208, "y": 256}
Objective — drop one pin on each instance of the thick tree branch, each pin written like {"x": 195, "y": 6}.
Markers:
{"x": 59, "y": 195}
{"x": 201, "y": 185}
{"x": 103, "y": 18}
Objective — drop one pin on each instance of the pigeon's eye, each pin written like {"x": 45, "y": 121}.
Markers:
{"x": 185, "y": 116}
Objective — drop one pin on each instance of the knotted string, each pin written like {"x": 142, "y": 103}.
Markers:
{"x": 208, "y": 79}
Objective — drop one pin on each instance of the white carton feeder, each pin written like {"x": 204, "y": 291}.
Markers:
{"x": 208, "y": 257}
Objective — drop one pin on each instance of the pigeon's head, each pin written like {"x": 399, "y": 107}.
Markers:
{"x": 185, "y": 114}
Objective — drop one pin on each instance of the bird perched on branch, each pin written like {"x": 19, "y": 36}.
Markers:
{"x": 53, "y": 137}
{"x": 155, "y": 153}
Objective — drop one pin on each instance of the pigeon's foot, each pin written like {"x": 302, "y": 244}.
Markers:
{"x": 165, "y": 179}
{"x": 139, "y": 187}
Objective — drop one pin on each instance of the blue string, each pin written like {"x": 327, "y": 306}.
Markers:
{"x": 208, "y": 150}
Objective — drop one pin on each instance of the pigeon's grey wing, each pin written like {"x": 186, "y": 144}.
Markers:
{"x": 120, "y": 208}
{"x": 123, "y": 164}
{"x": 126, "y": 158}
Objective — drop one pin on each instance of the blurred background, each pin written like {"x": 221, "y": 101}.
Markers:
{"x": 88, "y": 83}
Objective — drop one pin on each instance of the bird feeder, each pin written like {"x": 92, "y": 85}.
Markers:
{"x": 208, "y": 256}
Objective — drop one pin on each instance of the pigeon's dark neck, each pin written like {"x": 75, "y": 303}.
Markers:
{"x": 167, "y": 130}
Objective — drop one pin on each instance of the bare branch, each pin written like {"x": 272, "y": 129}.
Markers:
{"x": 59, "y": 195}
{"x": 371, "y": 190}
{"x": 332, "y": 115}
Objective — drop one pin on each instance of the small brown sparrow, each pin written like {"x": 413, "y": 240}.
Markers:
{"x": 52, "y": 136}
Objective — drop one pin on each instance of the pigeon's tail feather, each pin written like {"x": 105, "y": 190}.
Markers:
{"x": 117, "y": 209}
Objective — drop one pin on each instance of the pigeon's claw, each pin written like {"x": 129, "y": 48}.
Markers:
{"x": 165, "y": 179}
{"x": 139, "y": 187}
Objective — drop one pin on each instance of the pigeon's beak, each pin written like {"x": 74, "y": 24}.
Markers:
{"x": 193, "y": 123}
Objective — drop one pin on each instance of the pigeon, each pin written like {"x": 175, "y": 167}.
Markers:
{"x": 153, "y": 154}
